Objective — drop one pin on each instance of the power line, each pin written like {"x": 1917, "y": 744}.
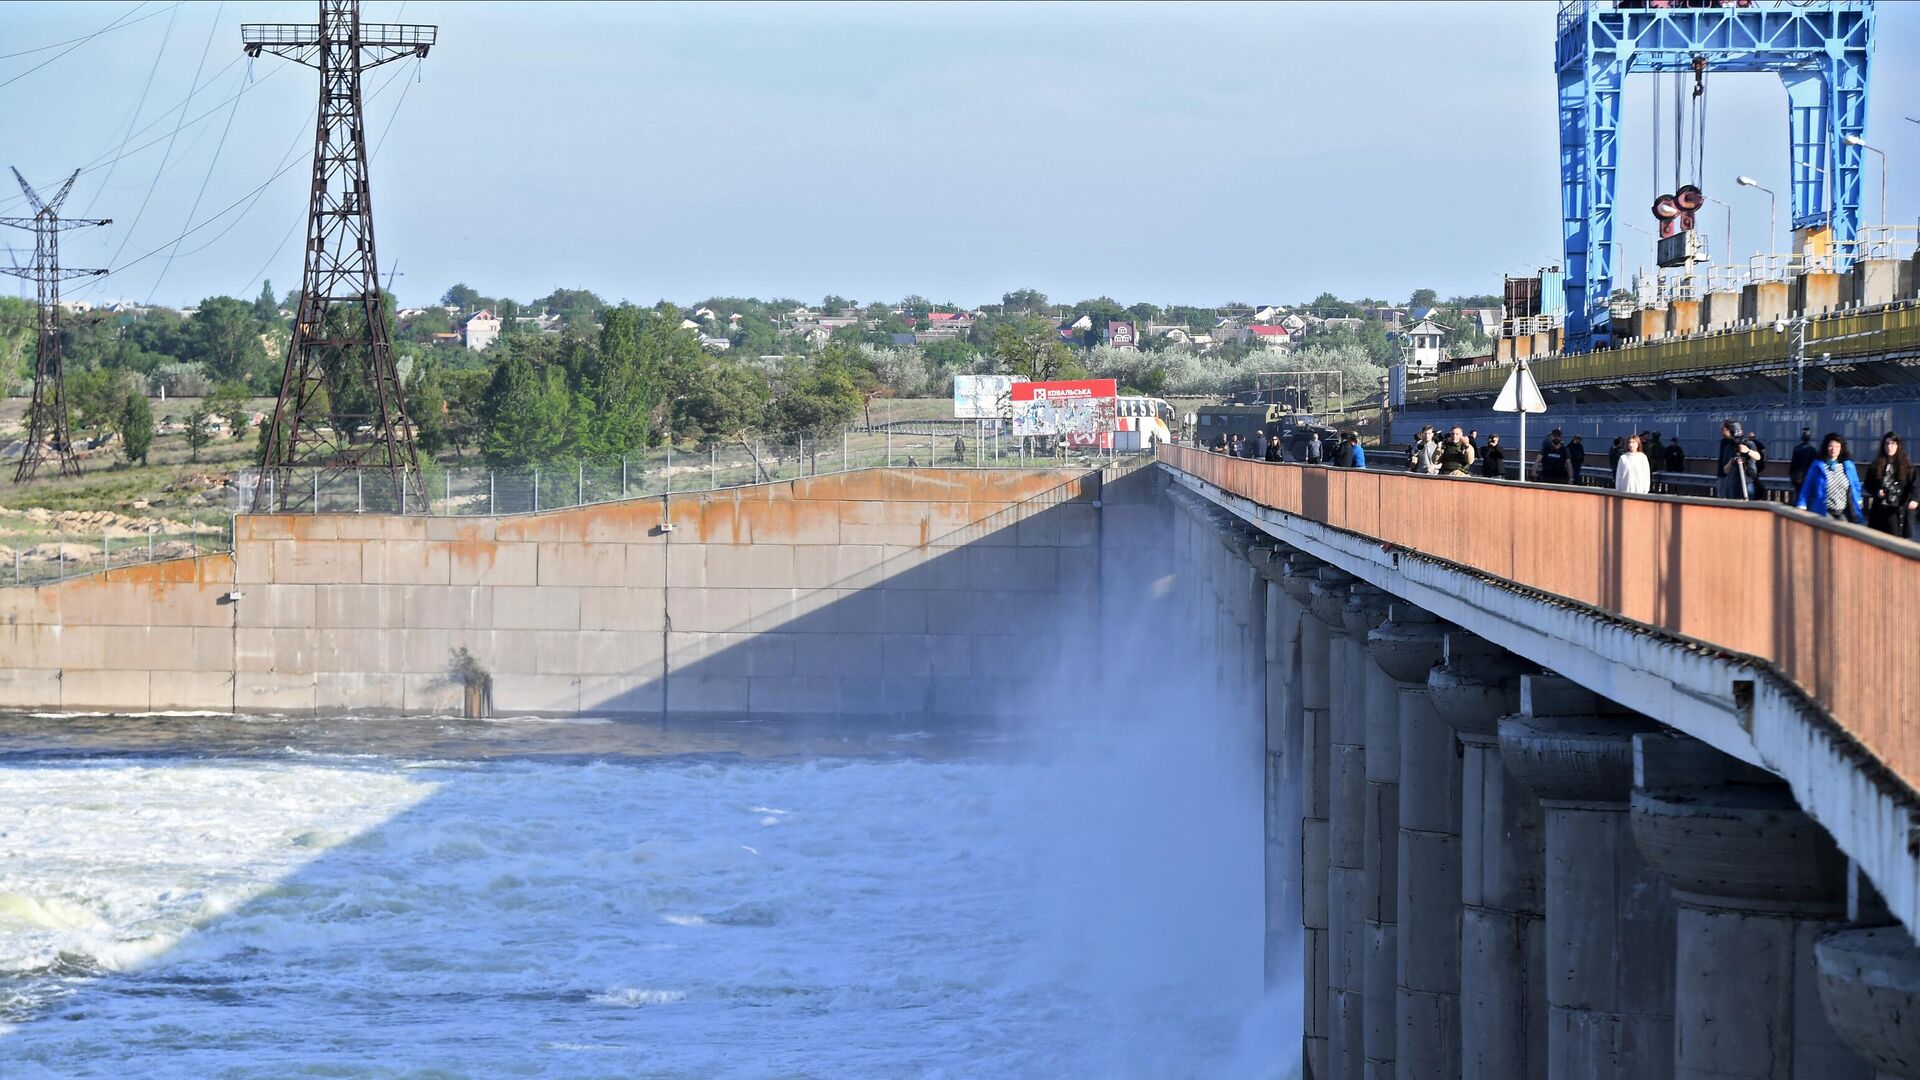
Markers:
{"x": 104, "y": 162}
{"x": 138, "y": 105}
{"x": 119, "y": 23}
{"x": 193, "y": 84}
{"x": 202, "y": 193}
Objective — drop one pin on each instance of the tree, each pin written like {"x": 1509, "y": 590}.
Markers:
{"x": 717, "y": 401}
{"x": 199, "y": 428}
{"x": 528, "y": 412}
{"x": 817, "y": 400}
{"x": 1031, "y": 348}
{"x": 265, "y": 307}
{"x": 136, "y": 428}
{"x": 427, "y": 406}
{"x": 96, "y": 398}
{"x": 1423, "y": 298}
{"x": 226, "y": 337}
{"x": 1024, "y": 301}
{"x": 622, "y": 387}
{"x": 229, "y": 402}
{"x": 463, "y": 297}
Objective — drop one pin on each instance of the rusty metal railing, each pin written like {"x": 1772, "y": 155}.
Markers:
{"x": 1832, "y": 608}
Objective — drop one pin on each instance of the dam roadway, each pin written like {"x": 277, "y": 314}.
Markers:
{"x": 1558, "y": 783}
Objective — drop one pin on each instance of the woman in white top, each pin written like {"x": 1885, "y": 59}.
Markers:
{"x": 1632, "y": 474}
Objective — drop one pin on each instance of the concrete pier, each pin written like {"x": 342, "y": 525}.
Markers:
{"x": 1870, "y": 986}
{"x": 1427, "y": 995}
{"x": 1367, "y": 609}
{"x": 1284, "y": 775}
{"x": 1346, "y": 784}
{"x": 1316, "y": 768}
{"x": 1503, "y": 971}
{"x": 1757, "y": 881}
{"x": 1610, "y": 918}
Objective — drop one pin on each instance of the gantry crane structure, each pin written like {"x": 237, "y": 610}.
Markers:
{"x": 1820, "y": 50}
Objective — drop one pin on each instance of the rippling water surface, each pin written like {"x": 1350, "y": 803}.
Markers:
{"x": 219, "y": 897}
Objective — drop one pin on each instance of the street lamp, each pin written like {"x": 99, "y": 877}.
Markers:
{"x": 1773, "y": 219}
{"x": 1855, "y": 140}
{"x": 1654, "y": 242}
{"x": 1729, "y": 236}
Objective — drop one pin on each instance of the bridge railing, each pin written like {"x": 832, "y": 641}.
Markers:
{"x": 1833, "y": 608}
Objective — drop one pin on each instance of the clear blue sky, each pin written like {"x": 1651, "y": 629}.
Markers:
{"x": 1175, "y": 153}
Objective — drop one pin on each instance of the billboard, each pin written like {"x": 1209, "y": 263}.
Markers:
{"x": 1081, "y": 411}
{"x": 982, "y": 397}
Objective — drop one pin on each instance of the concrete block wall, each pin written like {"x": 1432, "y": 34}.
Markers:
{"x": 925, "y": 591}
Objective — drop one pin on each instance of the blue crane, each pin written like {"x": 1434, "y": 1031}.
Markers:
{"x": 1819, "y": 48}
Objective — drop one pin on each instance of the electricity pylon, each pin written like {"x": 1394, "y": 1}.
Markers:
{"x": 340, "y": 406}
{"x": 47, "y": 417}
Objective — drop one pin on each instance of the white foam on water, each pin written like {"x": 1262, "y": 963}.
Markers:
{"x": 298, "y": 916}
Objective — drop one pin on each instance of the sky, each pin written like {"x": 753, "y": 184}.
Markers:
{"x": 1188, "y": 153}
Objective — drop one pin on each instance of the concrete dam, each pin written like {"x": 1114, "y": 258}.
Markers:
{"x": 1618, "y": 798}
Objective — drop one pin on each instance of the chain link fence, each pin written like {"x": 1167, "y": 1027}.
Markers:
{"x": 40, "y": 548}
{"x": 480, "y": 491}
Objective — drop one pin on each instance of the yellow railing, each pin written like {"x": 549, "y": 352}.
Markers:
{"x": 1893, "y": 329}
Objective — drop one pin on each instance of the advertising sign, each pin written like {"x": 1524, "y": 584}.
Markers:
{"x": 1081, "y": 411}
{"x": 981, "y": 397}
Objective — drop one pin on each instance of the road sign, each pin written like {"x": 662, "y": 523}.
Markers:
{"x": 1521, "y": 394}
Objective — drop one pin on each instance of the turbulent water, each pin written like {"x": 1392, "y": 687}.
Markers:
{"x": 235, "y": 898}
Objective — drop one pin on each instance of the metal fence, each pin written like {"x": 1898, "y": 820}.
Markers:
{"x": 480, "y": 490}
{"x": 63, "y": 550}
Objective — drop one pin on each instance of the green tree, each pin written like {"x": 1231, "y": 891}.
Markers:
{"x": 527, "y": 415}
{"x": 817, "y": 400}
{"x": 96, "y": 398}
{"x": 1423, "y": 298}
{"x": 1024, "y": 301}
{"x": 463, "y": 297}
{"x": 427, "y": 406}
{"x": 1031, "y": 348}
{"x": 199, "y": 428}
{"x": 226, "y": 338}
{"x": 622, "y": 390}
{"x": 716, "y": 402}
{"x": 136, "y": 428}
{"x": 265, "y": 307}
{"x": 229, "y": 402}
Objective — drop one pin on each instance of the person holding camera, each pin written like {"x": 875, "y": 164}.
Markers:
{"x": 1741, "y": 460}
{"x": 1833, "y": 485}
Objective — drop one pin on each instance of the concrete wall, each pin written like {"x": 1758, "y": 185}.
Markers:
{"x": 925, "y": 591}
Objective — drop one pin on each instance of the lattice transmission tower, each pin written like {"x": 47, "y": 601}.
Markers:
{"x": 47, "y": 417}
{"x": 340, "y": 406}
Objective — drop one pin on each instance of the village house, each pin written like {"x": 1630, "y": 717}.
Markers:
{"x": 481, "y": 330}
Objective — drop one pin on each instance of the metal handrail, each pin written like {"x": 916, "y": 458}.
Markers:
{"x": 1801, "y": 594}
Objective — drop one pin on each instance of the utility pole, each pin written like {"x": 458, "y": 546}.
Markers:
{"x": 47, "y": 417}
{"x": 340, "y": 405}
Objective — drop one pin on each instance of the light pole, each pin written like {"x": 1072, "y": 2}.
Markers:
{"x": 1654, "y": 266}
{"x": 1773, "y": 205}
{"x": 1729, "y": 235}
{"x": 1855, "y": 140}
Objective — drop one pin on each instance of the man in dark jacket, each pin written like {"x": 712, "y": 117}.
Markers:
{"x": 1676, "y": 458}
{"x": 1343, "y": 453}
{"x": 1551, "y": 467}
{"x": 1740, "y": 463}
{"x": 1802, "y": 460}
{"x": 1259, "y": 445}
{"x": 1493, "y": 459}
{"x": 1613, "y": 455}
{"x": 1576, "y": 460}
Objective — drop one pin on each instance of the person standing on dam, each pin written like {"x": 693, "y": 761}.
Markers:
{"x": 1630, "y": 472}
{"x": 1456, "y": 454}
{"x": 1804, "y": 455}
{"x": 1891, "y": 498}
{"x": 1741, "y": 460}
{"x": 1493, "y": 459}
{"x": 1551, "y": 466}
{"x": 1833, "y": 485}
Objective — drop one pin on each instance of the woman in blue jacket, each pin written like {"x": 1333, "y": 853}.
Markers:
{"x": 1832, "y": 487}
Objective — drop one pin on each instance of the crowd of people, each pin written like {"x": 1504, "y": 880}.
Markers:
{"x": 1823, "y": 477}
